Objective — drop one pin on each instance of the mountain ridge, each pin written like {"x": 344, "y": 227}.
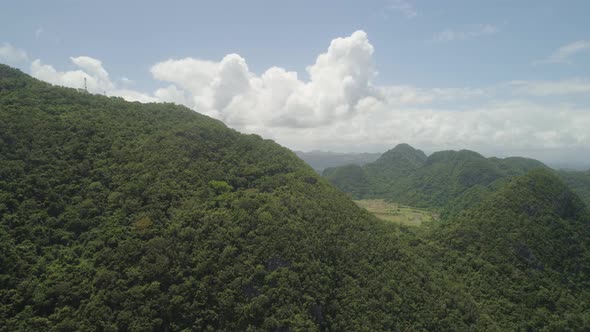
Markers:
{"x": 408, "y": 176}
{"x": 129, "y": 216}
{"x": 538, "y": 225}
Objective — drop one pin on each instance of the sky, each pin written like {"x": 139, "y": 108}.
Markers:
{"x": 499, "y": 77}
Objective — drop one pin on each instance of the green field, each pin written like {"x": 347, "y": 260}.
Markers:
{"x": 395, "y": 212}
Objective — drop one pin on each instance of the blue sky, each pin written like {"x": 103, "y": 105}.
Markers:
{"x": 459, "y": 71}
{"x": 129, "y": 36}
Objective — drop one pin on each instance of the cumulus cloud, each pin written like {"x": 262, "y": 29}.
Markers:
{"x": 132, "y": 95}
{"x": 91, "y": 72}
{"x": 565, "y": 53}
{"x": 92, "y": 66}
{"x": 172, "y": 94}
{"x": 339, "y": 79}
{"x": 88, "y": 68}
{"x": 12, "y": 55}
{"x": 478, "y": 30}
{"x": 341, "y": 108}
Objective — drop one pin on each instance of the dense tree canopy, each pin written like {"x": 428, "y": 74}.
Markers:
{"x": 142, "y": 217}
{"x": 406, "y": 175}
{"x": 524, "y": 253}
{"x": 579, "y": 181}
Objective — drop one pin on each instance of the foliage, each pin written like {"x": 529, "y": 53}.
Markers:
{"x": 144, "y": 217}
{"x": 523, "y": 253}
{"x": 407, "y": 175}
{"x": 579, "y": 181}
{"x": 349, "y": 178}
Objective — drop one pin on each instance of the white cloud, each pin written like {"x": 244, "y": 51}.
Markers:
{"x": 92, "y": 66}
{"x": 550, "y": 88}
{"x": 565, "y": 53}
{"x": 502, "y": 127}
{"x": 97, "y": 79}
{"x": 12, "y": 55}
{"x": 339, "y": 80}
{"x": 172, "y": 94}
{"x": 478, "y": 30}
{"x": 132, "y": 95}
{"x": 404, "y": 7}
{"x": 341, "y": 108}
{"x": 91, "y": 70}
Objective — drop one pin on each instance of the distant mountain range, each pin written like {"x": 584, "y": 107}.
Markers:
{"x": 320, "y": 160}
{"x": 407, "y": 175}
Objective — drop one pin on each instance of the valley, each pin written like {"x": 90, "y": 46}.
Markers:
{"x": 397, "y": 213}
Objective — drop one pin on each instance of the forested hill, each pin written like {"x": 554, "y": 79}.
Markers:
{"x": 523, "y": 253}
{"x": 152, "y": 217}
{"x": 129, "y": 216}
{"x": 407, "y": 175}
{"x": 397, "y": 162}
{"x": 579, "y": 181}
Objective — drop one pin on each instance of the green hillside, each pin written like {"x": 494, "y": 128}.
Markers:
{"x": 127, "y": 216}
{"x": 579, "y": 181}
{"x": 408, "y": 176}
{"x": 152, "y": 217}
{"x": 349, "y": 178}
{"x": 525, "y": 254}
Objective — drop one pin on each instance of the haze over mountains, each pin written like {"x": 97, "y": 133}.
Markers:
{"x": 320, "y": 160}
{"x": 407, "y": 175}
{"x": 128, "y": 216}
